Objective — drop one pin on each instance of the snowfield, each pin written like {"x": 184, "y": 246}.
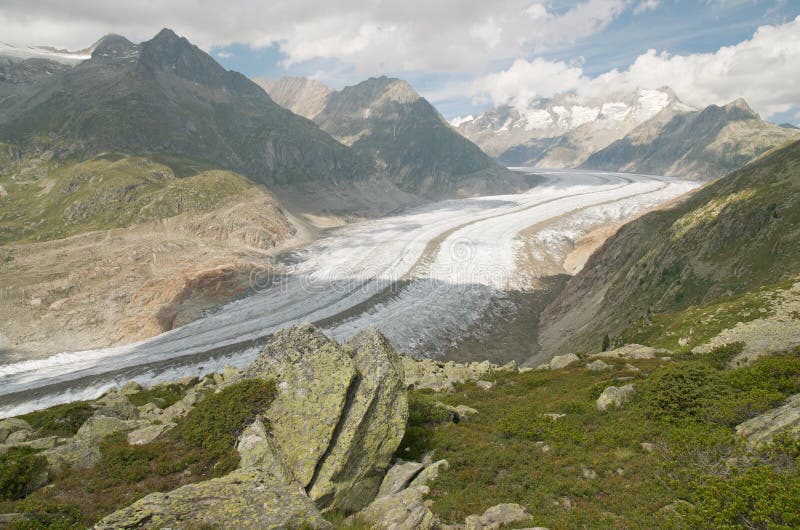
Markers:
{"x": 421, "y": 277}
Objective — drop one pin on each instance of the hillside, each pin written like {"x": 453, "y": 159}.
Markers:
{"x": 703, "y": 144}
{"x": 733, "y": 236}
{"x": 385, "y": 120}
{"x": 166, "y": 96}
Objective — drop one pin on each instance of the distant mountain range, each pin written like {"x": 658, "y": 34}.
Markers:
{"x": 645, "y": 131}
{"x": 388, "y": 122}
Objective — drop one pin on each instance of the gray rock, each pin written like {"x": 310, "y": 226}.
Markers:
{"x": 763, "y": 428}
{"x": 399, "y": 477}
{"x": 372, "y": 424}
{"x": 486, "y": 385}
{"x": 431, "y": 472}
{"x": 647, "y": 447}
{"x": 147, "y": 434}
{"x": 597, "y": 366}
{"x": 248, "y": 498}
{"x": 405, "y": 510}
{"x": 562, "y": 361}
{"x": 496, "y": 517}
{"x": 131, "y": 387}
{"x": 116, "y": 404}
{"x": 20, "y": 436}
{"x": 96, "y": 428}
{"x": 631, "y": 351}
{"x": 314, "y": 375}
{"x": 11, "y": 425}
{"x": 615, "y": 397}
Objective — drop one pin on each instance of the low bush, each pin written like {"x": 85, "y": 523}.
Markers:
{"x": 19, "y": 468}
{"x": 61, "y": 420}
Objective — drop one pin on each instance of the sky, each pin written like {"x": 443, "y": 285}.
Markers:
{"x": 468, "y": 55}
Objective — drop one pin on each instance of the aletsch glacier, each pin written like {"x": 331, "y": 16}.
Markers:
{"x": 421, "y": 277}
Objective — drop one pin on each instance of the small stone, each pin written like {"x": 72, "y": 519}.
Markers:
{"x": 647, "y": 447}
{"x": 597, "y": 366}
{"x": 588, "y": 473}
{"x": 486, "y": 385}
{"x": 631, "y": 368}
{"x": 542, "y": 446}
{"x": 614, "y": 397}
{"x": 553, "y": 416}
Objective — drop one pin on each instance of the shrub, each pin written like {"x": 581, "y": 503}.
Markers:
{"x": 720, "y": 356}
{"x": 61, "y": 420}
{"x": 423, "y": 414}
{"x": 680, "y": 390}
{"x": 19, "y": 468}
{"x": 759, "y": 497}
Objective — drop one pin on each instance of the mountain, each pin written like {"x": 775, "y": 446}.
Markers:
{"x": 167, "y": 97}
{"x": 385, "y": 120}
{"x": 302, "y": 96}
{"x": 562, "y": 131}
{"x": 21, "y": 53}
{"x": 731, "y": 237}
{"x": 702, "y": 144}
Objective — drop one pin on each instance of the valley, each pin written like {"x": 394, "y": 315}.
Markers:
{"x": 422, "y": 277}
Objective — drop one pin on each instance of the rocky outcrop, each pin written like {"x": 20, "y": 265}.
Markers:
{"x": 314, "y": 376}
{"x": 764, "y": 427}
{"x": 614, "y": 397}
{"x": 370, "y": 429}
{"x": 12, "y": 425}
{"x": 631, "y": 351}
{"x": 497, "y": 517}
{"x": 441, "y": 376}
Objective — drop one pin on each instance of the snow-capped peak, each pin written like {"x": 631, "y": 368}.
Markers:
{"x": 458, "y": 120}
{"x": 44, "y": 52}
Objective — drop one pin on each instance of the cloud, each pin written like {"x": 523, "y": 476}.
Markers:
{"x": 223, "y": 54}
{"x": 373, "y": 37}
{"x": 763, "y": 69}
{"x": 646, "y": 5}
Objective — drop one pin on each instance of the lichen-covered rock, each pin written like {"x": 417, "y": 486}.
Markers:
{"x": 131, "y": 387}
{"x": 148, "y": 433}
{"x": 763, "y": 428}
{"x": 614, "y": 397}
{"x": 405, "y": 510}
{"x": 20, "y": 436}
{"x": 486, "y": 385}
{"x": 11, "y": 425}
{"x": 371, "y": 427}
{"x": 399, "y": 477}
{"x": 562, "y": 361}
{"x": 458, "y": 413}
{"x": 496, "y": 517}
{"x": 441, "y": 376}
{"x": 597, "y": 366}
{"x": 430, "y": 473}
{"x": 247, "y": 498}
{"x": 314, "y": 376}
{"x": 96, "y": 428}
{"x": 116, "y": 404}
{"x": 631, "y": 351}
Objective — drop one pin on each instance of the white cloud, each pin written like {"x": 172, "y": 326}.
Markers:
{"x": 418, "y": 35}
{"x": 646, "y": 5}
{"x": 763, "y": 69}
{"x": 223, "y": 54}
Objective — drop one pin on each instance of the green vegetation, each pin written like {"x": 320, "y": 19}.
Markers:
{"x": 687, "y": 410}
{"x": 161, "y": 395}
{"x": 19, "y": 468}
{"x": 48, "y": 201}
{"x": 201, "y": 446}
{"x": 60, "y": 420}
{"x": 683, "y": 330}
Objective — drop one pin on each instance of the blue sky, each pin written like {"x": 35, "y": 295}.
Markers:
{"x": 468, "y": 55}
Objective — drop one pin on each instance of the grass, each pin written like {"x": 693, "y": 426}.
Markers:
{"x": 161, "y": 395}
{"x": 51, "y": 201}
{"x": 687, "y": 409}
{"x": 60, "y": 420}
{"x": 201, "y": 446}
{"x": 683, "y": 330}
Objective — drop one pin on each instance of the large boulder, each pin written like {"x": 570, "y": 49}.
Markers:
{"x": 614, "y": 397}
{"x": 399, "y": 477}
{"x": 262, "y": 493}
{"x": 370, "y": 430}
{"x": 763, "y": 428}
{"x": 247, "y": 498}
{"x": 314, "y": 375}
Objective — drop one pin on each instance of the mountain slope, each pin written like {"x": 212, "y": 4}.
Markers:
{"x": 703, "y": 144}
{"x": 387, "y": 121}
{"x": 734, "y": 235}
{"x": 167, "y": 96}
{"x": 305, "y": 97}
